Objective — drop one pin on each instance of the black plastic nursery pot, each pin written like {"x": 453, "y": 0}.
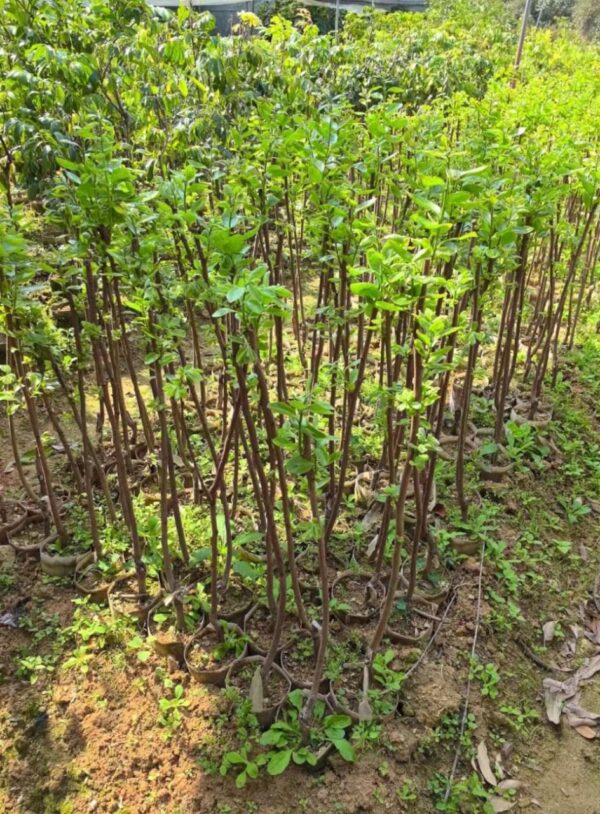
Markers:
{"x": 467, "y": 546}
{"x": 346, "y": 693}
{"x": 245, "y": 675}
{"x": 412, "y": 625}
{"x": 520, "y": 415}
{"x": 497, "y": 471}
{"x": 427, "y": 590}
{"x": 165, "y": 639}
{"x": 494, "y": 473}
{"x": 124, "y": 599}
{"x": 63, "y": 565}
{"x": 357, "y": 597}
{"x": 202, "y": 658}
{"x": 18, "y": 516}
{"x": 92, "y": 582}
{"x": 258, "y": 626}
{"x": 298, "y": 660}
{"x": 234, "y": 602}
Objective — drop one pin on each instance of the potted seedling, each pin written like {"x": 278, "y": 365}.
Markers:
{"x": 493, "y": 462}
{"x": 58, "y": 562}
{"x": 298, "y": 660}
{"x": 246, "y": 676}
{"x": 259, "y": 626}
{"x": 234, "y": 602}
{"x": 211, "y": 652}
{"x": 348, "y": 693}
{"x": 288, "y": 739}
{"x": 308, "y": 565}
{"x": 410, "y": 623}
{"x": 356, "y": 597}
{"x": 430, "y": 587}
{"x": 125, "y": 599}
{"x": 166, "y": 637}
{"x": 94, "y": 579}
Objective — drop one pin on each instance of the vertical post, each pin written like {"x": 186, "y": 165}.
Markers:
{"x": 337, "y": 18}
{"x": 540, "y": 12}
{"x": 526, "y": 13}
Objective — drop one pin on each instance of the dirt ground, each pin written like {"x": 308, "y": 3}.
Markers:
{"x": 76, "y": 742}
{"x": 83, "y": 733}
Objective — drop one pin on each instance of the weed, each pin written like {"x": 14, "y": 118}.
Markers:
{"x": 487, "y": 675}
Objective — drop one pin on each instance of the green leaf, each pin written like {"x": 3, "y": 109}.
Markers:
{"x": 240, "y": 780}
{"x": 282, "y": 409}
{"x": 367, "y": 290}
{"x": 296, "y": 699}
{"x": 338, "y": 721}
{"x": 279, "y": 762}
{"x": 345, "y": 749}
{"x": 270, "y": 737}
{"x": 297, "y": 465}
{"x": 245, "y": 570}
{"x": 221, "y": 312}
{"x": 235, "y": 294}
{"x": 321, "y": 407}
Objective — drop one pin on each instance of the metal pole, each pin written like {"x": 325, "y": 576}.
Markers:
{"x": 526, "y": 13}
{"x": 337, "y": 18}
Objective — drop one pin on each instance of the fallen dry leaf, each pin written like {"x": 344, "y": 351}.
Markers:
{"x": 555, "y": 694}
{"x": 483, "y": 760}
{"x": 593, "y": 631}
{"x": 578, "y": 716}
{"x": 587, "y": 732}
{"x": 372, "y": 517}
{"x": 510, "y": 784}
{"x": 548, "y": 630}
{"x": 372, "y": 547}
{"x": 590, "y": 669}
{"x": 499, "y": 804}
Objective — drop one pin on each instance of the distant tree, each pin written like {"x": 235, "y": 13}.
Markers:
{"x": 586, "y": 16}
{"x": 545, "y": 12}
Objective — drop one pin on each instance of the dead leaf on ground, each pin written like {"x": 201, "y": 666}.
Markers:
{"x": 372, "y": 547}
{"x": 372, "y": 517}
{"x": 510, "y": 784}
{"x": 548, "y": 630}
{"x": 555, "y": 694}
{"x": 593, "y": 630}
{"x": 485, "y": 768}
{"x": 590, "y": 669}
{"x": 587, "y": 732}
{"x": 563, "y": 696}
{"x": 499, "y": 804}
{"x": 578, "y": 716}
{"x": 594, "y": 505}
